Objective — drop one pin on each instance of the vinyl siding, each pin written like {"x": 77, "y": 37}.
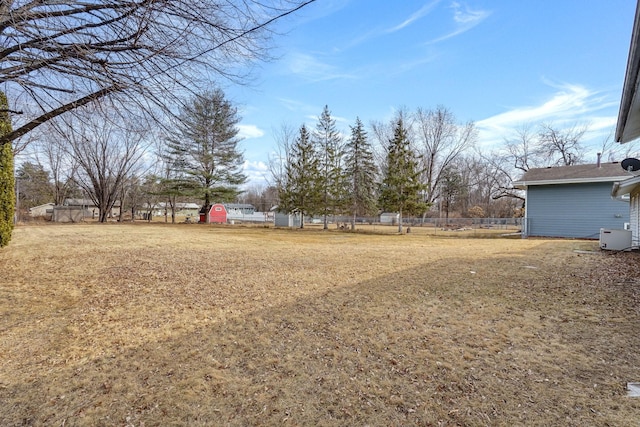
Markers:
{"x": 573, "y": 210}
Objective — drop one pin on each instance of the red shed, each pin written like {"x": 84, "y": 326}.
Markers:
{"x": 217, "y": 214}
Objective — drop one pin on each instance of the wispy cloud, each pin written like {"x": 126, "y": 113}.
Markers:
{"x": 337, "y": 119}
{"x": 294, "y": 105}
{"x": 319, "y": 10}
{"x": 424, "y": 10}
{"x": 464, "y": 19}
{"x": 378, "y": 32}
{"x": 569, "y": 105}
{"x": 410, "y": 65}
{"x": 311, "y": 68}
{"x": 249, "y": 131}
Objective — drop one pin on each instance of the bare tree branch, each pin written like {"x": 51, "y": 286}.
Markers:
{"x": 159, "y": 50}
{"x": 54, "y": 113}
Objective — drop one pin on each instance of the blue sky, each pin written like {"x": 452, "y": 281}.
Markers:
{"x": 502, "y": 64}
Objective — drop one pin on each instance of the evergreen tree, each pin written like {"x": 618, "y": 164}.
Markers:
{"x": 7, "y": 179}
{"x": 174, "y": 181}
{"x": 299, "y": 191}
{"x": 34, "y": 186}
{"x": 333, "y": 181}
{"x": 361, "y": 171}
{"x": 206, "y": 142}
{"x": 400, "y": 189}
{"x": 453, "y": 188}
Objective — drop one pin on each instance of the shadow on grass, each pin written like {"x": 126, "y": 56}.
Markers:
{"x": 548, "y": 346}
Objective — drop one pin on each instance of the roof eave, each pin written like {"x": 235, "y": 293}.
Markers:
{"x": 524, "y": 184}
{"x": 628, "y": 126}
{"x": 625, "y": 187}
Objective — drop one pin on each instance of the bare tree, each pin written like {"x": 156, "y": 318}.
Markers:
{"x": 522, "y": 151}
{"x": 285, "y": 136}
{"x": 561, "y": 147}
{"x": 52, "y": 152}
{"x": 498, "y": 175}
{"x": 107, "y": 153}
{"x": 440, "y": 141}
{"x": 56, "y": 56}
{"x": 612, "y": 151}
{"x": 529, "y": 149}
{"x": 262, "y": 197}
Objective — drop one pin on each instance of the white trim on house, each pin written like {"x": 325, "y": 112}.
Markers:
{"x": 630, "y": 187}
{"x": 625, "y": 187}
{"x": 522, "y": 185}
{"x": 628, "y": 126}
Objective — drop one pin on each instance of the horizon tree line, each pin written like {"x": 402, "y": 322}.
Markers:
{"x": 418, "y": 164}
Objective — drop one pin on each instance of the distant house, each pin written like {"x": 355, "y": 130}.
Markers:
{"x": 239, "y": 209}
{"x": 628, "y": 127}
{"x": 221, "y": 213}
{"x": 159, "y": 209}
{"x": 572, "y": 201}
{"x": 42, "y": 211}
{"x": 90, "y": 208}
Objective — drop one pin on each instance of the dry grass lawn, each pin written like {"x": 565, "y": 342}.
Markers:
{"x": 153, "y": 324}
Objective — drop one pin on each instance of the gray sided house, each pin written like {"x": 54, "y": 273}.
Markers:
{"x": 572, "y": 201}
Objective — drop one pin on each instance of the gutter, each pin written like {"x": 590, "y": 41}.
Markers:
{"x": 630, "y": 81}
{"x": 522, "y": 185}
{"x": 620, "y": 189}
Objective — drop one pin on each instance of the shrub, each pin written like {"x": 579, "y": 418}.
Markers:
{"x": 7, "y": 179}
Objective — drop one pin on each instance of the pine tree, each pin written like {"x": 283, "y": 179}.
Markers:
{"x": 299, "y": 191}
{"x": 452, "y": 188}
{"x": 7, "y": 178}
{"x": 34, "y": 185}
{"x": 361, "y": 171}
{"x": 333, "y": 181}
{"x": 400, "y": 189}
{"x": 206, "y": 142}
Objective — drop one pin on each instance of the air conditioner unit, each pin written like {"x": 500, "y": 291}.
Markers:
{"x": 627, "y": 226}
{"x": 615, "y": 240}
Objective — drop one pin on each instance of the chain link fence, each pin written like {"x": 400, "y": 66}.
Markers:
{"x": 489, "y": 227}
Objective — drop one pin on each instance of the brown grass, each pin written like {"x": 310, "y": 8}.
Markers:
{"x": 156, "y": 324}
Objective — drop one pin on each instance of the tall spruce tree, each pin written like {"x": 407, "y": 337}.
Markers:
{"x": 34, "y": 186}
{"x": 333, "y": 181}
{"x": 206, "y": 142}
{"x": 401, "y": 187}
{"x": 361, "y": 170}
{"x": 7, "y": 179}
{"x": 300, "y": 191}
